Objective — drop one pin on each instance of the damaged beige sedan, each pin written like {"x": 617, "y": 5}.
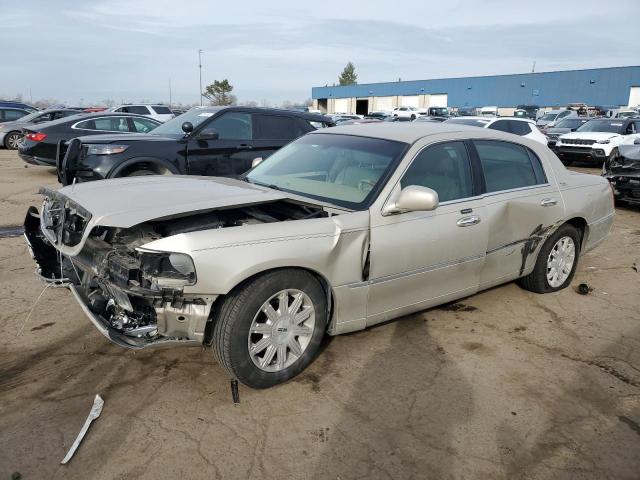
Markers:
{"x": 342, "y": 229}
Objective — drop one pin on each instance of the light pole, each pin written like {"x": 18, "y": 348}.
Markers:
{"x": 200, "y": 66}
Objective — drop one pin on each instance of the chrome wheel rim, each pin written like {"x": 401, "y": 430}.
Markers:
{"x": 281, "y": 330}
{"x": 13, "y": 141}
{"x": 560, "y": 261}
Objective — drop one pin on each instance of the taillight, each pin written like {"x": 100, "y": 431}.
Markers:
{"x": 36, "y": 137}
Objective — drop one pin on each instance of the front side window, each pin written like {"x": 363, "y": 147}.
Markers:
{"x": 344, "y": 170}
{"x": 162, "y": 110}
{"x": 507, "y": 165}
{"x": 444, "y": 168}
{"x": 14, "y": 114}
{"x": 233, "y": 126}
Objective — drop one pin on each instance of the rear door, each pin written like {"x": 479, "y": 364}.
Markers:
{"x": 522, "y": 205}
{"x": 271, "y": 132}
{"x": 230, "y": 154}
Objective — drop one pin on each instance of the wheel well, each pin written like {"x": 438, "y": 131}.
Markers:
{"x": 155, "y": 165}
{"x": 217, "y": 304}
{"x": 581, "y": 224}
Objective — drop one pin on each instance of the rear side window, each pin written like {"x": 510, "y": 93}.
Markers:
{"x": 162, "y": 110}
{"x": 108, "y": 124}
{"x": 138, "y": 109}
{"x": 444, "y": 168}
{"x": 14, "y": 114}
{"x": 143, "y": 125}
{"x": 508, "y": 165}
{"x": 233, "y": 126}
{"x": 500, "y": 125}
{"x": 276, "y": 127}
{"x": 520, "y": 128}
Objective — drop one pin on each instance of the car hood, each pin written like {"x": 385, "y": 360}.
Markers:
{"x": 128, "y": 137}
{"x": 590, "y": 135}
{"x": 125, "y": 202}
{"x": 558, "y": 130}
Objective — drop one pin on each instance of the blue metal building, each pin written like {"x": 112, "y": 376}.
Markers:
{"x": 598, "y": 86}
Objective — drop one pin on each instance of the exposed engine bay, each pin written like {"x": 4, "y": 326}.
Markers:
{"x": 137, "y": 294}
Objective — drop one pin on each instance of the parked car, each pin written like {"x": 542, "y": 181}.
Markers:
{"x": 467, "y": 112}
{"x": 488, "y": 111}
{"x": 437, "y": 112}
{"x": 563, "y": 126}
{"x": 623, "y": 172}
{"x": 597, "y": 140}
{"x": 20, "y": 105}
{"x": 532, "y": 110}
{"x": 220, "y": 141}
{"x": 518, "y": 126}
{"x": 11, "y": 132}
{"x": 627, "y": 113}
{"x": 162, "y": 113}
{"x": 549, "y": 119}
{"x": 431, "y": 119}
{"x": 11, "y": 114}
{"x": 342, "y": 229}
{"x": 405, "y": 112}
{"x": 40, "y": 142}
{"x": 381, "y": 115}
{"x": 341, "y": 117}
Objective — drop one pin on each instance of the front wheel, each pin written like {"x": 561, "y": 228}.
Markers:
{"x": 556, "y": 263}
{"x": 270, "y": 329}
{"x": 12, "y": 140}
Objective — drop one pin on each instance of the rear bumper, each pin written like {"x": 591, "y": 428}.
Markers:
{"x": 40, "y": 161}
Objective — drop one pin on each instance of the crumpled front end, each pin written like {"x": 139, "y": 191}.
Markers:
{"x": 133, "y": 296}
{"x": 623, "y": 172}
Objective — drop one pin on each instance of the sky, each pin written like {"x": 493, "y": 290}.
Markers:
{"x": 130, "y": 51}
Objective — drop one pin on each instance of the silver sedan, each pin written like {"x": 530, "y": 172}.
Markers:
{"x": 342, "y": 229}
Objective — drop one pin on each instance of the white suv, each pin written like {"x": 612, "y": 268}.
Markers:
{"x": 597, "y": 140}
{"x": 405, "y": 112}
{"x": 518, "y": 126}
{"x": 162, "y": 113}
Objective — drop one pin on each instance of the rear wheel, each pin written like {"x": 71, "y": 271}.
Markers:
{"x": 556, "y": 263}
{"x": 269, "y": 329}
{"x": 12, "y": 140}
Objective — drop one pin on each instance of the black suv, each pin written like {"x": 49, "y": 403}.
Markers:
{"x": 219, "y": 141}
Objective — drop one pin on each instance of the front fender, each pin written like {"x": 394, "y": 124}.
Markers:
{"x": 117, "y": 170}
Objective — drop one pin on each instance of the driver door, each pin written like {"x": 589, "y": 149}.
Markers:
{"x": 421, "y": 259}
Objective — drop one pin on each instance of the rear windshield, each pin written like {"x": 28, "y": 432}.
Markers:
{"x": 162, "y": 110}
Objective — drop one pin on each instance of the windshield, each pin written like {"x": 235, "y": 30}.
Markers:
{"x": 601, "y": 126}
{"x": 570, "y": 123}
{"x": 174, "y": 126}
{"x": 549, "y": 117}
{"x": 344, "y": 170}
{"x": 474, "y": 122}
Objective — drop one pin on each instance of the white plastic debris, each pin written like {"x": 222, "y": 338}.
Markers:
{"x": 95, "y": 412}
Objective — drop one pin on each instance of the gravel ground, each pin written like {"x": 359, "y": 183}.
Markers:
{"x": 504, "y": 384}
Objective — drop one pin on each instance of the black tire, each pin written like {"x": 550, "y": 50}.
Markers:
{"x": 11, "y": 139}
{"x": 142, "y": 171}
{"x": 413, "y": 117}
{"x": 537, "y": 281}
{"x": 231, "y": 328}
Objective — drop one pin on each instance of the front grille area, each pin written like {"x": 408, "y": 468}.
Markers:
{"x": 577, "y": 141}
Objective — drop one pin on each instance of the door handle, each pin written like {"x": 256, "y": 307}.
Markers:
{"x": 548, "y": 202}
{"x": 468, "y": 221}
{"x": 244, "y": 146}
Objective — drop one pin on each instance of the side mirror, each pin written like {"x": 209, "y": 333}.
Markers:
{"x": 208, "y": 134}
{"x": 256, "y": 161}
{"x": 187, "y": 127}
{"x": 413, "y": 198}
{"x": 636, "y": 141}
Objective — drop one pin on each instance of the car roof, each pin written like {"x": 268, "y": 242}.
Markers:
{"x": 491, "y": 119}
{"x": 88, "y": 116}
{"x": 317, "y": 117}
{"x": 406, "y": 132}
{"x": 22, "y": 109}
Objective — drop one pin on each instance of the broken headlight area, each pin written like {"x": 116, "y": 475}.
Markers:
{"x": 63, "y": 221}
{"x": 161, "y": 270}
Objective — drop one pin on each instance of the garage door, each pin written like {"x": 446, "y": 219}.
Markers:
{"x": 634, "y": 96}
{"x": 384, "y": 103}
{"x": 438, "y": 100}
{"x": 412, "y": 101}
{"x": 341, "y": 105}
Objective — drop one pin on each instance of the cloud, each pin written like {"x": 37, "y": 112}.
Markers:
{"x": 279, "y": 50}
